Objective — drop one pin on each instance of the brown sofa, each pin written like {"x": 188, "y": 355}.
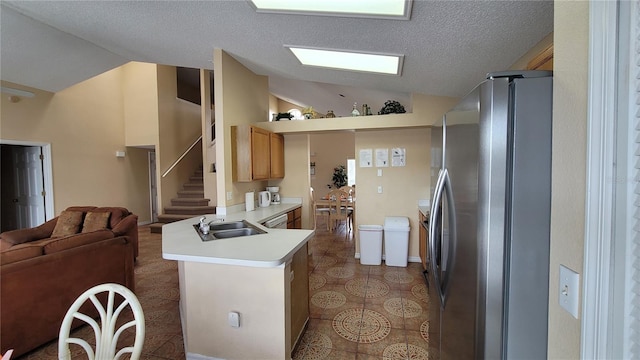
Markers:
{"x": 41, "y": 275}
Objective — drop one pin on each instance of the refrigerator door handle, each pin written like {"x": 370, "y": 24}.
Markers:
{"x": 452, "y": 236}
{"x": 433, "y": 218}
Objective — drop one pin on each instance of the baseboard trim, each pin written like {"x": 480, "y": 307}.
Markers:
{"x": 414, "y": 259}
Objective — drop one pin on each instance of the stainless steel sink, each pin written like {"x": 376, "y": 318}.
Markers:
{"x": 224, "y": 234}
{"x": 225, "y": 230}
{"x": 229, "y": 225}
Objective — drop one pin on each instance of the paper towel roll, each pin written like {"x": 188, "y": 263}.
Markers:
{"x": 249, "y": 201}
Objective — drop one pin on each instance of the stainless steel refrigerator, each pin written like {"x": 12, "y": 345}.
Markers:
{"x": 488, "y": 243}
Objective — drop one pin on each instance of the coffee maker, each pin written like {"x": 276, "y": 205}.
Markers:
{"x": 275, "y": 194}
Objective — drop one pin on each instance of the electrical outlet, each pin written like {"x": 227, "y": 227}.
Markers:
{"x": 569, "y": 290}
{"x": 379, "y": 172}
{"x": 229, "y": 195}
{"x": 379, "y": 189}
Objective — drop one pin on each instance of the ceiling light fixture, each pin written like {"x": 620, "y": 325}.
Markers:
{"x": 385, "y": 9}
{"x": 347, "y": 60}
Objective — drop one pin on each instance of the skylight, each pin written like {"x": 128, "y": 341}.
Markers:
{"x": 389, "y": 9}
{"x": 345, "y": 60}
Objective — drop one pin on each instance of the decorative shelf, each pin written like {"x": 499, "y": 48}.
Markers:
{"x": 371, "y": 122}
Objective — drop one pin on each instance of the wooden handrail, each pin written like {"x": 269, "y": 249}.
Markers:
{"x": 181, "y": 157}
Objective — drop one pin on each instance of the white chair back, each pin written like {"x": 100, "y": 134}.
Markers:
{"x": 106, "y": 333}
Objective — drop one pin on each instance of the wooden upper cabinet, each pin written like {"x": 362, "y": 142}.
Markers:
{"x": 277, "y": 156}
{"x": 258, "y": 154}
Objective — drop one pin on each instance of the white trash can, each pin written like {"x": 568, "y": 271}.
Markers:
{"x": 396, "y": 240}
{"x": 370, "y": 244}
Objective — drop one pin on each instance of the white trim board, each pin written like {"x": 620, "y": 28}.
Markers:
{"x": 601, "y": 334}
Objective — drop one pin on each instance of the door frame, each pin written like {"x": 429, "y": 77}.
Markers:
{"x": 606, "y": 73}
{"x": 153, "y": 178}
{"x": 47, "y": 173}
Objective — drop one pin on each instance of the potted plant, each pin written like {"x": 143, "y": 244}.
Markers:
{"x": 391, "y": 107}
{"x": 339, "y": 176}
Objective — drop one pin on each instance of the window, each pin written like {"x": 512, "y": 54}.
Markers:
{"x": 351, "y": 172}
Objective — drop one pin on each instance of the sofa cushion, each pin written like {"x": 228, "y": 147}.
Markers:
{"x": 54, "y": 245}
{"x": 95, "y": 221}
{"x": 68, "y": 223}
{"x": 117, "y": 214}
{"x": 19, "y": 253}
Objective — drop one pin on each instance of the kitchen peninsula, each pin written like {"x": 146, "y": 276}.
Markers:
{"x": 263, "y": 278}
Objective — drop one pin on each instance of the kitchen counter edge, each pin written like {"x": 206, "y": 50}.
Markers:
{"x": 180, "y": 242}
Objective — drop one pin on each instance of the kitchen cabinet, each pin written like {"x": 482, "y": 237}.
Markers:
{"x": 257, "y": 154}
{"x": 299, "y": 279}
{"x": 276, "y": 146}
{"x": 422, "y": 235}
{"x": 294, "y": 219}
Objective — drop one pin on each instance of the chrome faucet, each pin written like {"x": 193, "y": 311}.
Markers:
{"x": 204, "y": 228}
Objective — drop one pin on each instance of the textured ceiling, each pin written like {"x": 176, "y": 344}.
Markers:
{"x": 449, "y": 46}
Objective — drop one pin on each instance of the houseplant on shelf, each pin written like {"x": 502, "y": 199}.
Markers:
{"x": 392, "y": 107}
{"x": 339, "y": 176}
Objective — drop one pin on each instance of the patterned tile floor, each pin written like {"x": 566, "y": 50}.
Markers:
{"x": 356, "y": 311}
{"x": 359, "y": 311}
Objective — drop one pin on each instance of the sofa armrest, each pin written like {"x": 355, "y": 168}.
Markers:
{"x": 128, "y": 227}
{"x": 15, "y": 237}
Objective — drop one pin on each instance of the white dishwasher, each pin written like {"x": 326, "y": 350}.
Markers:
{"x": 278, "y": 222}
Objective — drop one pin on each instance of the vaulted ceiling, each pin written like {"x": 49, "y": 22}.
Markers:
{"x": 448, "y": 46}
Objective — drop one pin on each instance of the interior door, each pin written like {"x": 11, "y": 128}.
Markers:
{"x": 29, "y": 186}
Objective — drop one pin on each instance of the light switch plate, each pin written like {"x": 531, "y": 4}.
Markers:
{"x": 569, "y": 290}
{"x": 234, "y": 319}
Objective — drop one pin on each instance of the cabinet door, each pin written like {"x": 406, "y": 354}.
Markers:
{"x": 260, "y": 154}
{"x": 297, "y": 218}
{"x": 277, "y": 156}
{"x": 422, "y": 234}
{"x": 299, "y": 294}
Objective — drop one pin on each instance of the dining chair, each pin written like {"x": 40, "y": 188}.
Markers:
{"x": 352, "y": 194}
{"x": 348, "y": 189}
{"x": 106, "y": 331}
{"x": 338, "y": 210}
{"x": 319, "y": 210}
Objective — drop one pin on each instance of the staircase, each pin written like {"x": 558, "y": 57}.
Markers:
{"x": 189, "y": 203}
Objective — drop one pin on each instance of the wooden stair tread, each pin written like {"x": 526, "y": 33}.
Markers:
{"x": 167, "y": 218}
{"x": 189, "y": 203}
{"x": 156, "y": 228}
{"x": 189, "y": 208}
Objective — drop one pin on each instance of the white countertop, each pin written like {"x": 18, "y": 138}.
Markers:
{"x": 181, "y": 242}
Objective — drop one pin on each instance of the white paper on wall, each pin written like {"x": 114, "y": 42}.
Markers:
{"x": 382, "y": 157}
{"x": 398, "y": 157}
{"x": 366, "y": 158}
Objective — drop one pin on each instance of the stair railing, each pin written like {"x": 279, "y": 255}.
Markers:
{"x": 182, "y": 156}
